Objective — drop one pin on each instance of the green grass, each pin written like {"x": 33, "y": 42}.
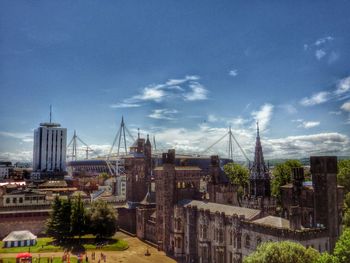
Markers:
{"x": 86, "y": 243}
{"x": 42, "y": 260}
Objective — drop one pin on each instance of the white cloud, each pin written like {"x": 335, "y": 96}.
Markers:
{"x": 332, "y": 143}
{"x": 263, "y": 116}
{"x": 233, "y": 72}
{"x": 320, "y": 53}
{"x": 163, "y": 114}
{"x": 24, "y": 137}
{"x": 323, "y": 40}
{"x": 151, "y": 93}
{"x": 335, "y": 112}
{"x": 346, "y": 106}
{"x": 172, "y": 82}
{"x": 17, "y": 156}
{"x": 343, "y": 86}
{"x": 197, "y": 140}
{"x": 309, "y": 124}
{"x": 198, "y": 92}
{"x": 315, "y": 99}
{"x": 125, "y": 105}
{"x": 212, "y": 118}
{"x": 187, "y": 88}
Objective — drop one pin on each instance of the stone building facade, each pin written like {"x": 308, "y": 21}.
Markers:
{"x": 195, "y": 230}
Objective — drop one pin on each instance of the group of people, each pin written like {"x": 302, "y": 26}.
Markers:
{"x": 102, "y": 257}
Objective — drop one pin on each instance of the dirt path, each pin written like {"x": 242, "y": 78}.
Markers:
{"x": 134, "y": 254}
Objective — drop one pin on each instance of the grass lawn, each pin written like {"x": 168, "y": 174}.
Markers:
{"x": 88, "y": 242}
{"x": 42, "y": 260}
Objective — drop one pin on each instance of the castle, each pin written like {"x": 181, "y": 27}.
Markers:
{"x": 168, "y": 207}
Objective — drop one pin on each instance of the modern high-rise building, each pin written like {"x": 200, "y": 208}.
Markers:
{"x": 49, "y": 153}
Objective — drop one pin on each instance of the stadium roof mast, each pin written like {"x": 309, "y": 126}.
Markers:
{"x": 74, "y": 143}
{"x": 231, "y": 139}
{"x": 121, "y": 138}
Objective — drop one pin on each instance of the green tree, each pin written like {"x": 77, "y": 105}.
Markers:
{"x": 327, "y": 258}
{"x": 78, "y": 217}
{"x": 346, "y": 218}
{"x": 344, "y": 174}
{"x": 103, "y": 219}
{"x": 59, "y": 224}
{"x": 238, "y": 175}
{"x": 52, "y": 223}
{"x": 64, "y": 226}
{"x": 282, "y": 174}
{"x": 342, "y": 247}
{"x": 282, "y": 252}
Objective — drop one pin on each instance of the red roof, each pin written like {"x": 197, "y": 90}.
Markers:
{"x": 24, "y": 255}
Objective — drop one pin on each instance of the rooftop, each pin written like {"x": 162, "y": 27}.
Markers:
{"x": 227, "y": 209}
{"x": 273, "y": 221}
{"x": 19, "y": 236}
{"x": 180, "y": 168}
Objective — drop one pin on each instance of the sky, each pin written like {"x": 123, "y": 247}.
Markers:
{"x": 182, "y": 71}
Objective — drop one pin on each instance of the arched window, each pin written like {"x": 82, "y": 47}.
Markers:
{"x": 247, "y": 241}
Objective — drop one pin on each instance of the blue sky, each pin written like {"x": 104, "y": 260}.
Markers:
{"x": 180, "y": 70}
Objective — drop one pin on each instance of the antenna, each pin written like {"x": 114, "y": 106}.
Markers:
{"x": 50, "y": 113}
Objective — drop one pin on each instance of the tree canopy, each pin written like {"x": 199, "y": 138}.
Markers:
{"x": 69, "y": 219}
{"x": 282, "y": 252}
{"x": 342, "y": 247}
{"x": 103, "y": 219}
{"x": 238, "y": 175}
{"x": 344, "y": 174}
{"x": 282, "y": 174}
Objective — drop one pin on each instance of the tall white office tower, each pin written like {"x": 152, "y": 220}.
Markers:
{"x": 49, "y": 153}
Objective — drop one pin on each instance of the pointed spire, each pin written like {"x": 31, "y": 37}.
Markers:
{"x": 122, "y": 123}
{"x": 148, "y": 141}
{"x": 138, "y": 133}
{"x": 257, "y": 129}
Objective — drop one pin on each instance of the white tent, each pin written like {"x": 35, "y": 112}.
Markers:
{"x": 20, "y": 239}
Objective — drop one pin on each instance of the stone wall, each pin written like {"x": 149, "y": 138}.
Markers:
{"x": 34, "y": 225}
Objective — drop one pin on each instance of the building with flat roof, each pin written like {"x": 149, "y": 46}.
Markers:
{"x": 49, "y": 152}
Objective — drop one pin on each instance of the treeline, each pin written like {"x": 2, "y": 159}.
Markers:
{"x": 70, "y": 218}
{"x": 290, "y": 252}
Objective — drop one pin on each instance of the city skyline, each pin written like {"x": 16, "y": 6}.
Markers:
{"x": 182, "y": 71}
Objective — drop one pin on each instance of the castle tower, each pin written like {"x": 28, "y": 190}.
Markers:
{"x": 165, "y": 198}
{"x": 259, "y": 173}
{"x": 215, "y": 169}
{"x": 324, "y": 180}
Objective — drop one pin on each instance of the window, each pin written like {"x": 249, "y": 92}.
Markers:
{"x": 7, "y": 200}
{"x": 20, "y": 200}
{"x": 14, "y": 200}
{"x": 239, "y": 241}
{"x": 247, "y": 241}
{"x": 205, "y": 232}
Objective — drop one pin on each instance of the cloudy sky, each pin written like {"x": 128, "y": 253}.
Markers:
{"x": 183, "y": 71}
